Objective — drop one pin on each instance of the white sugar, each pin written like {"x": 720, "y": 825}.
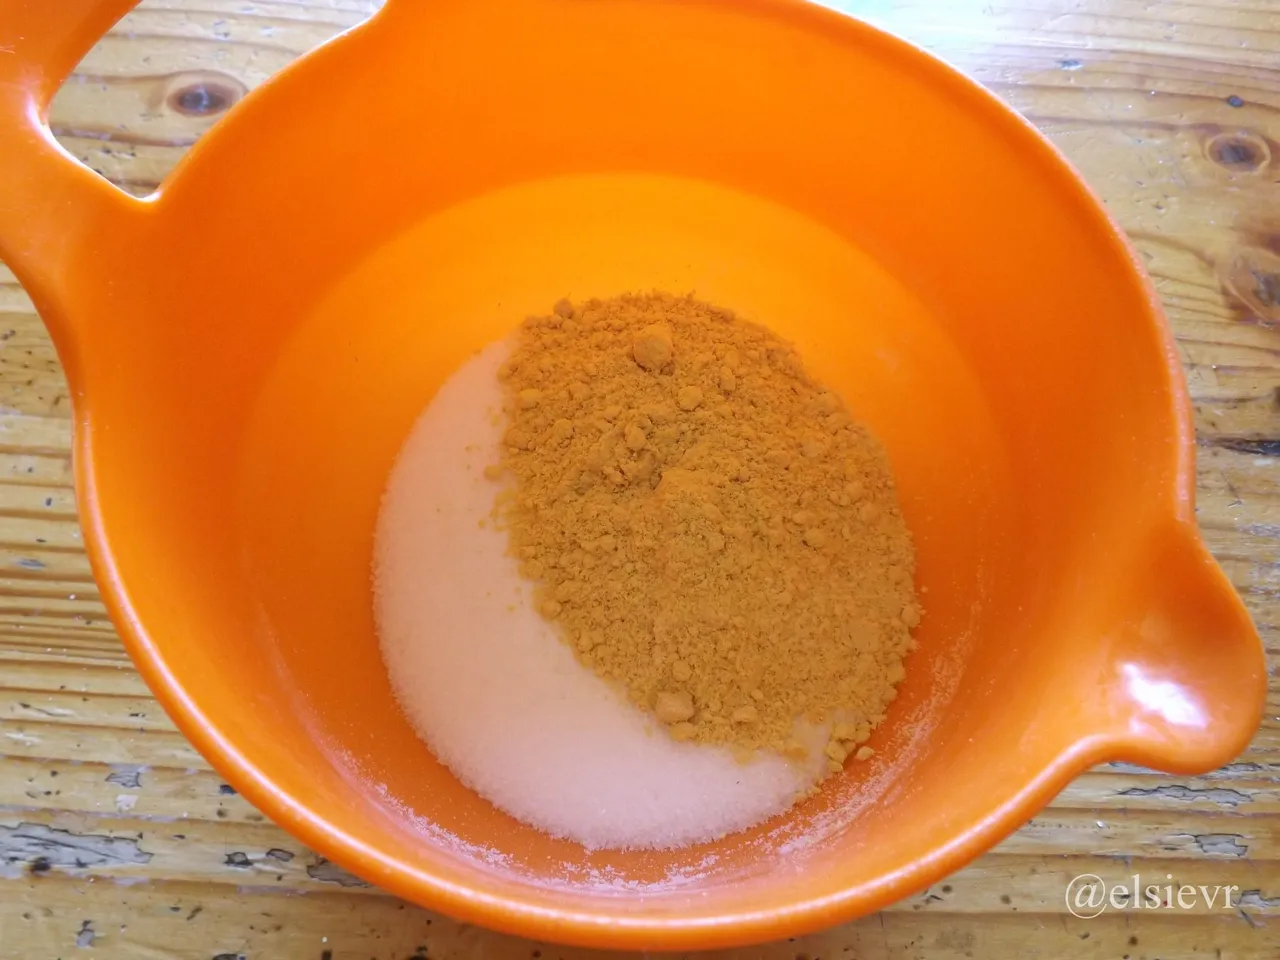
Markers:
{"x": 492, "y": 690}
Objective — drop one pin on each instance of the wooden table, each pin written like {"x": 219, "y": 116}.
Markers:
{"x": 118, "y": 841}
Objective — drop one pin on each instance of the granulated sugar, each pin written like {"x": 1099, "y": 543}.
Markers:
{"x": 493, "y": 691}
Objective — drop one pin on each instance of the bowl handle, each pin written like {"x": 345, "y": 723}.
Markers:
{"x": 1187, "y": 679}
{"x": 49, "y": 202}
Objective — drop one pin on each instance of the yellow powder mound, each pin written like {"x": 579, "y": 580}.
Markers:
{"x": 705, "y": 522}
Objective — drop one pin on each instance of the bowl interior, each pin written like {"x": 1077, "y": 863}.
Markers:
{"x": 350, "y": 383}
{"x": 348, "y": 237}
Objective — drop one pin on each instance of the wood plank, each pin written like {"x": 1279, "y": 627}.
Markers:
{"x": 125, "y": 849}
{"x": 159, "y": 921}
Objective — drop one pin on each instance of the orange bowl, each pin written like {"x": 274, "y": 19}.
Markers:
{"x": 248, "y": 348}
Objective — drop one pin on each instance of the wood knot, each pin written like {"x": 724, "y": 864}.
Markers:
{"x": 203, "y": 94}
{"x": 1239, "y": 152}
{"x": 1253, "y": 279}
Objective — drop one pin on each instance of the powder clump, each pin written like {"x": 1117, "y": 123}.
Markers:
{"x": 705, "y": 524}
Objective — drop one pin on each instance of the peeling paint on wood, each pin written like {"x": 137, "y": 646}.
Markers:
{"x": 44, "y": 847}
{"x": 1178, "y": 792}
{"x": 86, "y": 935}
{"x": 327, "y": 872}
{"x": 127, "y": 775}
{"x": 1221, "y": 844}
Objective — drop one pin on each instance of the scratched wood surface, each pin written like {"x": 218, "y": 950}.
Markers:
{"x": 118, "y": 841}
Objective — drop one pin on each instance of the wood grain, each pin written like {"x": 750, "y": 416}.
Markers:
{"x": 116, "y": 838}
